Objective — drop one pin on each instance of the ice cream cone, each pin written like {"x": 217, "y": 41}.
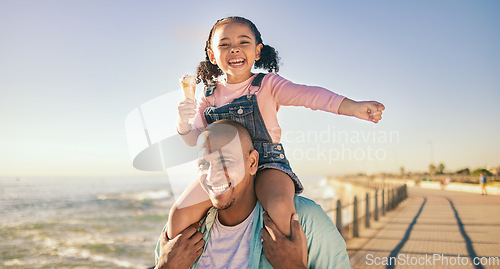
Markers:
{"x": 188, "y": 84}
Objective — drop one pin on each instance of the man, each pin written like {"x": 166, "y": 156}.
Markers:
{"x": 232, "y": 234}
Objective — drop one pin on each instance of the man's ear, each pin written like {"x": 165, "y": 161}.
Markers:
{"x": 257, "y": 51}
{"x": 211, "y": 56}
{"x": 253, "y": 162}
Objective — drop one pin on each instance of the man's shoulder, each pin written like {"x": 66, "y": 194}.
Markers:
{"x": 326, "y": 247}
{"x": 306, "y": 205}
{"x": 309, "y": 210}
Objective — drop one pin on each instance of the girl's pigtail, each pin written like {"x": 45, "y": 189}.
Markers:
{"x": 207, "y": 72}
{"x": 269, "y": 59}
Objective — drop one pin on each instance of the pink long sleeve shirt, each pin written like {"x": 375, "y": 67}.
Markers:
{"x": 274, "y": 93}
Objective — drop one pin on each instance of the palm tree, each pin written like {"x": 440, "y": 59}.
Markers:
{"x": 432, "y": 169}
{"x": 441, "y": 168}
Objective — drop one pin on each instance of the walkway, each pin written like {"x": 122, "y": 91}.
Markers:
{"x": 436, "y": 223}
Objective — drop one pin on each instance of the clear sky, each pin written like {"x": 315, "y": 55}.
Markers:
{"x": 71, "y": 72}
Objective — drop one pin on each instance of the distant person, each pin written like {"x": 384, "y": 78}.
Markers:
{"x": 445, "y": 182}
{"x": 233, "y": 48}
{"x": 236, "y": 233}
{"x": 482, "y": 182}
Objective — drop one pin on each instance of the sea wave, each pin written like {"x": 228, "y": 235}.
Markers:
{"x": 137, "y": 196}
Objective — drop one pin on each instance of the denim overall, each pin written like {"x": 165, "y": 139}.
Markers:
{"x": 245, "y": 111}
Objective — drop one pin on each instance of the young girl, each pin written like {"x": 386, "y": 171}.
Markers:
{"x": 233, "y": 47}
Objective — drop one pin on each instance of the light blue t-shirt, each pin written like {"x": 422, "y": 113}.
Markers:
{"x": 325, "y": 246}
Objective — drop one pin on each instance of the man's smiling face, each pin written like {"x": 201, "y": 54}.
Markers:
{"x": 221, "y": 165}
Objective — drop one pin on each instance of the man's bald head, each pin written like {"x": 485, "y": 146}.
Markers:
{"x": 222, "y": 132}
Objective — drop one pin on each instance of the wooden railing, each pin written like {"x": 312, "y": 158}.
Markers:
{"x": 372, "y": 206}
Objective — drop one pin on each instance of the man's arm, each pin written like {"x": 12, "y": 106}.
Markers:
{"x": 182, "y": 251}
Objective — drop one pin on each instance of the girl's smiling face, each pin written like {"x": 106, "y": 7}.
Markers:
{"x": 234, "y": 50}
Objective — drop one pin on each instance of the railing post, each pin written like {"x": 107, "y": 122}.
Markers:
{"x": 389, "y": 200}
{"x": 383, "y": 202}
{"x": 393, "y": 200}
{"x": 339, "y": 216}
{"x": 355, "y": 231}
{"x": 400, "y": 194}
{"x": 376, "y": 206}
{"x": 393, "y": 203}
{"x": 397, "y": 197}
{"x": 367, "y": 211}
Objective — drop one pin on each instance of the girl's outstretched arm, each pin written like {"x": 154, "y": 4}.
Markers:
{"x": 365, "y": 110}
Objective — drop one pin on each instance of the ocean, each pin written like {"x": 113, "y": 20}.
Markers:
{"x": 90, "y": 222}
{"x": 81, "y": 222}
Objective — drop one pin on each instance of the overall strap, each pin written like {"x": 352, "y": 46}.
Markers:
{"x": 257, "y": 81}
{"x": 210, "y": 90}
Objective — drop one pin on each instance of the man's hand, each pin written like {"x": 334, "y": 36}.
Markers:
{"x": 182, "y": 251}
{"x": 283, "y": 252}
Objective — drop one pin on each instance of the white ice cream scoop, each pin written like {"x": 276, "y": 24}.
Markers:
{"x": 188, "y": 84}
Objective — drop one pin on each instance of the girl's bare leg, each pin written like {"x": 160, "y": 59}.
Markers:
{"x": 275, "y": 191}
{"x": 191, "y": 206}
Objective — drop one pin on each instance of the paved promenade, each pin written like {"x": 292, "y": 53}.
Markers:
{"x": 437, "y": 223}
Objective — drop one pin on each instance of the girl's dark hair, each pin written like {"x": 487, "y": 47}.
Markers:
{"x": 208, "y": 72}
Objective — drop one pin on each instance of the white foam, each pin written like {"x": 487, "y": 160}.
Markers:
{"x": 13, "y": 262}
{"x": 137, "y": 196}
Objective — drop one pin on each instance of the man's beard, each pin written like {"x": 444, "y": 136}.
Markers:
{"x": 226, "y": 206}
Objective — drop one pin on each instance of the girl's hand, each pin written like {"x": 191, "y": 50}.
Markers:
{"x": 367, "y": 110}
{"x": 186, "y": 110}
